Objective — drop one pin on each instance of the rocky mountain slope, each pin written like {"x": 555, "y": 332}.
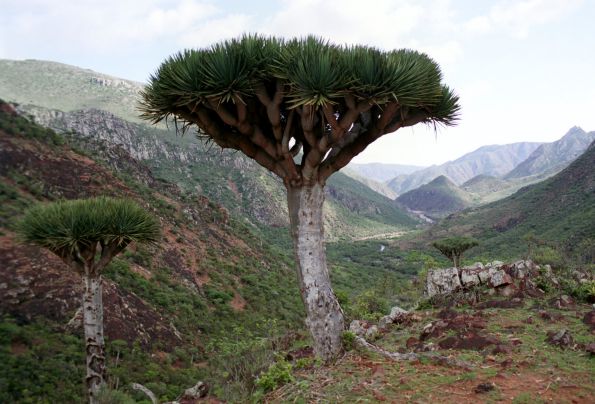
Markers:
{"x": 208, "y": 272}
{"x": 436, "y": 199}
{"x": 492, "y": 160}
{"x": 374, "y": 185}
{"x": 552, "y": 157}
{"x": 560, "y": 210}
{"x": 214, "y": 283}
{"x": 229, "y": 178}
{"x": 484, "y": 184}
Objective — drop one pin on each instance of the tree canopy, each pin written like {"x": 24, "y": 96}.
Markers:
{"x": 454, "y": 247}
{"x": 75, "y": 228}
{"x": 273, "y": 98}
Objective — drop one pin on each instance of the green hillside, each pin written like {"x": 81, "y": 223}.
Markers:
{"x": 560, "y": 210}
{"x": 211, "y": 285}
{"x": 438, "y": 198}
{"x": 67, "y": 88}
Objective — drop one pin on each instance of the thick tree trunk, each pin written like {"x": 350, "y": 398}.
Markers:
{"x": 324, "y": 315}
{"x": 94, "y": 342}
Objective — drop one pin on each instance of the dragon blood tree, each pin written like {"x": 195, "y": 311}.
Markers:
{"x": 86, "y": 234}
{"x": 301, "y": 108}
{"x": 454, "y": 247}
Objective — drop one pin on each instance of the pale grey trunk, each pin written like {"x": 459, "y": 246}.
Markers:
{"x": 94, "y": 342}
{"x": 324, "y": 315}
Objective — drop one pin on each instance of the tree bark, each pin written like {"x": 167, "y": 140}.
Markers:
{"x": 94, "y": 342}
{"x": 324, "y": 315}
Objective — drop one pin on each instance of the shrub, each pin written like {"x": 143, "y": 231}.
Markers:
{"x": 278, "y": 374}
{"x": 109, "y": 396}
{"x": 370, "y": 306}
{"x": 548, "y": 255}
{"x": 348, "y": 340}
{"x": 585, "y": 292}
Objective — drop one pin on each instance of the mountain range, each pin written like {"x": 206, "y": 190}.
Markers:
{"x": 559, "y": 210}
{"x": 494, "y": 160}
{"x": 441, "y": 196}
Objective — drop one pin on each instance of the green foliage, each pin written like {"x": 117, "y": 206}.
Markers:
{"x": 238, "y": 359}
{"x": 37, "y": 362}
{"x": 16, "y": 125}
{"x": 585, "y": 292}
{"x": 316, "y": 72}
{"x": 217, "y": 296}
{"x": 545, "y": 254}
{"x": 454, "y": 247}
{"x": 110, "y": 396}
{"x": 278, "y": 374}
{"x": 348, "y": 338}
{"x": 369, "y": 305}
{"x": 63, "y": 226}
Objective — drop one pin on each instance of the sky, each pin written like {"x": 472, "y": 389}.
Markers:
{"x": 524, "y": 69}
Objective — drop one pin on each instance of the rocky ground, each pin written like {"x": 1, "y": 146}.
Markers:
{"x": 499, "y": 340}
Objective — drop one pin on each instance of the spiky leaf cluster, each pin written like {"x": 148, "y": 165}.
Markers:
{"x": 63, "y": 226}
{"x": 315, "y": 71}
{"x": 454, "y": 246}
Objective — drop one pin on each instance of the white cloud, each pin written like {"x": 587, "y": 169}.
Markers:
{"x": 102, "y": 26}
{"x": 480, "y": 24}
{"x": 519, "y": 17}
{"x": 213, "y": 30}
{"x": 385, "y": 24}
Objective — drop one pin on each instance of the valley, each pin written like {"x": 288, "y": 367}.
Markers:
{"x": 216, "y": 300}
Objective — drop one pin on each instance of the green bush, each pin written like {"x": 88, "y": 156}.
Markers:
{"x": 348, "y": 338}
{"x": 278, "y": 374}
{"x": 585, "y": 292}
{"x": 109, "y": 396}
{"x": 237, "y": 359}
{"x": 369, "y": 305}
{"x": 548, "y": 255}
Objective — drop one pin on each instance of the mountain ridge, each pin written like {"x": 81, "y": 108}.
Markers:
{"x": 552, "y": 157}
{"x": 492, "y": 160}
{"x": 438, "y": 198}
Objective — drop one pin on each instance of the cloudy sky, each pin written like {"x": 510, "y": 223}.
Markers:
{"x": 524, "y": 69}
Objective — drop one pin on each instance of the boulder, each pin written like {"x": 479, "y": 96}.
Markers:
{"x": 442, "y": 281}
{"x": 563, "y": 302}
{"x": 362, "y": 328}
{"x": 484, "y": 276}
{"x": 499, "y": 278}
{"x": 372, "y": 332}
{"x": 199, "y": 390}
{"x": 562, "y": 338}
{"x": 519, "y": 270}
{"x": 396, "y": 314}
{"x": 484, "y": 388}
{"x": 470, "y": 276}
{"x": 529, "y": 288}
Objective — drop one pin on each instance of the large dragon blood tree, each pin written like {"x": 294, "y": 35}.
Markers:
{"x": 301, "y": 108}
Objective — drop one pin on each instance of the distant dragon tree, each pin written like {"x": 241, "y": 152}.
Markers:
{"x": 87, "y": 234}
{"x": 454, "y": 247}
{"x": 301, "y": 108}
